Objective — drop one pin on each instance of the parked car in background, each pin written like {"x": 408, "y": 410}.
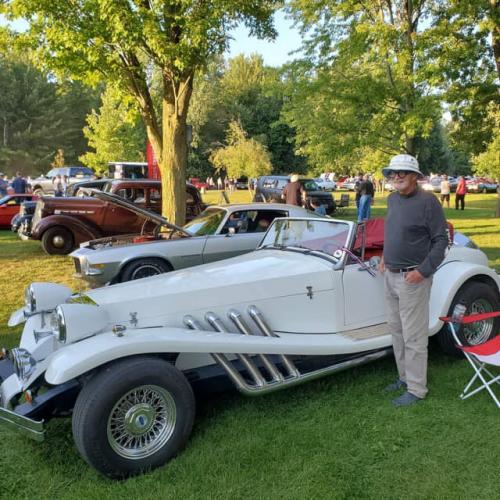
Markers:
{"x": 269, "y": 188}
{"x": 84, "y": 188}
{"x": 62, "y": 223}
{"x": 218, "y": 233}
{"x": 24, "y": 217}
{"x": 434, "y": 184}
{"x": 241, "y": 183}
{"x": 198, "y": 183}
{"x": 481, "y": 185}
{"x": 44, "y": 185}
{"x": 350, "y": 184}
{"x": 125, "y": 360}
{"x": 325, "y": 184}
{"x": 10, "y": 206}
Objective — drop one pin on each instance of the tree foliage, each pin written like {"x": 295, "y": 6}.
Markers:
{"x": 487, "y": 163}
{"x": 38, "y": 114}
{"x": 242, "y": 156}
{"x": 376, "y": 73}
{"x": 114, "y": 133}
{"x": 102, "y": 40}
{"x": 242, "y": 89}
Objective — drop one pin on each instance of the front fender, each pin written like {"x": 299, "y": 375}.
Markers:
{"x": 81, "y": 230}
{"x": 82, "y": 357}
{"x": 448, "y": 279}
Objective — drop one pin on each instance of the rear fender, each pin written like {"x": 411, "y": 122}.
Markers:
{"x": 448, "y": 280}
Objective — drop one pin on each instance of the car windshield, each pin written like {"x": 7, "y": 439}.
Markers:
{"x": 310, "y": 185}
{"x": 308, "y": 235}
{"x": 4, "y": 199}
{"x": 206, "y": 223}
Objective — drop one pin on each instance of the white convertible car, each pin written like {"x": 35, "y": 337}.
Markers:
{"x": 125, "y": 359}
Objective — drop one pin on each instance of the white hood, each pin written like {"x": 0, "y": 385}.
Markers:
{"x": 263, "y": 277}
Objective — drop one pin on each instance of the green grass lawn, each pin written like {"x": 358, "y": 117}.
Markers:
{"x": 338, "y": 437}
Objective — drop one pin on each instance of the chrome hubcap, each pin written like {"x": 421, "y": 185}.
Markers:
{"x": 477, "y": 333}
{"x": 141, "y": 422}
{"x": 58, "y": 241}
{"x": 146, "y": 271}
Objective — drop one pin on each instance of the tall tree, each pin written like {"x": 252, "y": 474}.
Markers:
{"x": 120, "y": 41}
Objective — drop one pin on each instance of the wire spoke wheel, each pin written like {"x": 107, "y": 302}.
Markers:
{"x": 141, "y": 422}
{"x": 481, "y": 331}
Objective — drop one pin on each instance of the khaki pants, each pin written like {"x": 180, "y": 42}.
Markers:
{"x": 408, "y": 322}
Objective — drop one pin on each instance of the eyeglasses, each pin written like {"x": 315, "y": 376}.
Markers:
{"x": 400, "y": 174}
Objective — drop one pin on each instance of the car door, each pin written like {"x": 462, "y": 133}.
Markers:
{"x": 248, "y": 233}
{"x": 364, "y": 302}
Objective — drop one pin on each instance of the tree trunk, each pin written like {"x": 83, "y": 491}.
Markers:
{"x": 495, "y": 33}
{"x": 173, "y": 160}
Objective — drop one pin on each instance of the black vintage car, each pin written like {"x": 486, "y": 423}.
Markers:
{"x": 269, "y": 188}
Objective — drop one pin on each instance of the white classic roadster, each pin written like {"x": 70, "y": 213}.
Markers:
{"x": 125, "y": 359}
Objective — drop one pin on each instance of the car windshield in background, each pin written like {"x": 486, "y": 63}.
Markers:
{"x": 206, "y": 223}
{"x": 310, "y": 235}
{"x": 310, "y": 185}
{"x": 4, "y": 199}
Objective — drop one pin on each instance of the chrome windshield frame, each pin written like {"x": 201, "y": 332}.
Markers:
{"x": 337, "y": 263}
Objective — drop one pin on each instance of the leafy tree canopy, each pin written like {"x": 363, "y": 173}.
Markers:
{"x": 122, "y": 41}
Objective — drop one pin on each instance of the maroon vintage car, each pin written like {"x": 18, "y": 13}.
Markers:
{"x": 63, "y": 223}
{"x": 10, "y": 205}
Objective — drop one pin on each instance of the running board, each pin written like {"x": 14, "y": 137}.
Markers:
{"x": 275, "y": 376}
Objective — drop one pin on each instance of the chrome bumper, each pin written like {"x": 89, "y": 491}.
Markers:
{"x": 34, "y": 429}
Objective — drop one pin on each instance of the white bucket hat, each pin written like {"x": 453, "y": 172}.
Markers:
{"x": 406, "y": 163}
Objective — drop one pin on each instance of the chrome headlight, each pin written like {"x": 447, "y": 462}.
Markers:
{"x": 45, "y": 296}
{"x": 29, "y": 299}
{"x": 74, "y": 322}
{"x": 23, "y": 362}
{"x": 60, "y": 325}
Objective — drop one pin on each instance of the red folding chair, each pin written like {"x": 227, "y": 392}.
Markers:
{"x": 479, "y": 356}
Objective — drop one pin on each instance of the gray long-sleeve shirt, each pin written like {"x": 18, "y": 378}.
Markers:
{"x": 415, "y": 232}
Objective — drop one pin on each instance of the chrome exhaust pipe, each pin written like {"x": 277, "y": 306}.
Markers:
{"x": 258, "y": 317}
{"x": 249, "y": 365}
{"x": 249, "y": 390}
{"x": 237, "y": 318}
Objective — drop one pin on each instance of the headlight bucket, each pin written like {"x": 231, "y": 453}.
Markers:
{"x": 74, "y": 322}
{"x": 24, "y": 363}
{"x": 45, "y": 296}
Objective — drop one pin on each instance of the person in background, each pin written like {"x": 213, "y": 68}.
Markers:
{"x": 318, "y": 207}
{"x": 4, "y": 184}
{"x": 19, "y": 185}
{"x": 357, "y": 196}
{"x": 460, "y": 193}
{"x": 445, "y": 191}
{"x": 415, "y": 241}
{"x": 58, "y": 186}
{"x": 220, "y": 184}
{"x": 367, "y": 193}
{"x": 293, "y": 194}
{"x": 65, "y": 185}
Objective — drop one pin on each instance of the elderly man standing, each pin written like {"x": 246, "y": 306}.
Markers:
{"x": 414, "y": 246}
